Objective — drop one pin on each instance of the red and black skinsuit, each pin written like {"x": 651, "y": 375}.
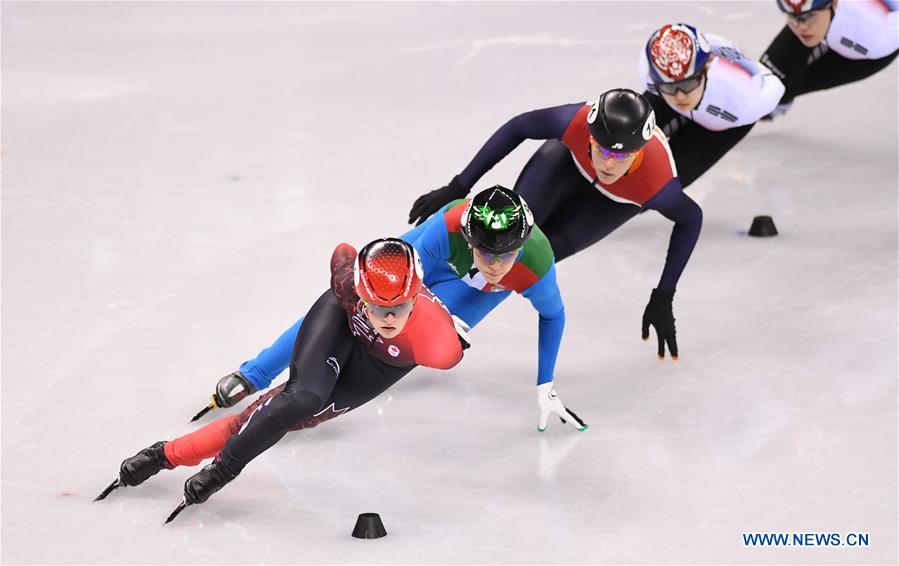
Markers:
{"x": 339, "y": 363}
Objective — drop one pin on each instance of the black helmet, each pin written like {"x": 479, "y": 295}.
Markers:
{"x": 497, "y": 220}
{"x": 621, "y": 120}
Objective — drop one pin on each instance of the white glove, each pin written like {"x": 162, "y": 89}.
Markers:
{"x": 549, "y": 402}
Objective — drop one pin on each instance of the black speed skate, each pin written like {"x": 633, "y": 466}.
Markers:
{"x": 144, "y": 465}
{"x": 200, "y": 486}
{"x": 139, "y": 468}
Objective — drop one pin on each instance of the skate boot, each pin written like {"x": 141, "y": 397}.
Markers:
{"x": 138, "y": 469}
{"x": 200, "y": 486}
{"x": 143, "y": 465}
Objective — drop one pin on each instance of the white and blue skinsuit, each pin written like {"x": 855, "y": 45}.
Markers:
{"x": 862, "y": 39}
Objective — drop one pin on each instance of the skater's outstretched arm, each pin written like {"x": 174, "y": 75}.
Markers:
{"x": 672, "y": 203}
{"x": 542, "y": 124}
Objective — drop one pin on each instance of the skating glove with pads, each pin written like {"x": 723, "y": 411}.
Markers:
{"x": 549, "y": 402}
{"x": 231, "y": 389}
{"x": 660, "y": 315}
{"x": 429, "y": 203}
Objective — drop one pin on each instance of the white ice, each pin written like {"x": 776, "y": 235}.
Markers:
{"x": 175, "y": 176}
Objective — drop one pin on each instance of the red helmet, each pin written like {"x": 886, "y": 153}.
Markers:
{"x": 388, "y": 272}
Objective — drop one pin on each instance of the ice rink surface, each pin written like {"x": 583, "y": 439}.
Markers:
{"x": 175, "y": 176}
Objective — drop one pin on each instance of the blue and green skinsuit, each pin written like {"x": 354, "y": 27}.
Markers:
{"x": 450, "y": 274}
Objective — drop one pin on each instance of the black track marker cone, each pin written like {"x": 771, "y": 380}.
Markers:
{"x": 762, "y": 227}
{"x": 369, "y": 525}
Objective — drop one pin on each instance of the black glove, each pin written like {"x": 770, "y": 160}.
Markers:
{"x": 429, "y": 203}
{"x": 231, "y": 389}
{"x": 660, "y": 315}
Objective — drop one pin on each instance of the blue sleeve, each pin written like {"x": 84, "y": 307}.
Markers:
{"x": 544, "y": 124}
{"x": 676, "y": 206}
{"x": 546, "y": 298}
{"x": 431, "y": 240}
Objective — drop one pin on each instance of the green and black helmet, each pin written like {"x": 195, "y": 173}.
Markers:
{"x": 497, "y": 220}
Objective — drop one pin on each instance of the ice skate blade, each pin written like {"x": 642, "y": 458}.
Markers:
{"x": 109, "y": 489}
{"x": 205, "y": 410}
{"x": 181, "y": 506}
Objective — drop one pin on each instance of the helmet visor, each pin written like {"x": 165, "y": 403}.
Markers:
{"x": 398, "y": 311}
{"x": 596, "y": 147}
{"x": 489, "y": 257}
{"x": 686, "y": 86}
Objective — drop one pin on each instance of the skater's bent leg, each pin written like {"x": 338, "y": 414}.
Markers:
{"x": 696, "y": 149}
{"x": 271, "y": 361}
{"x": 831, "y": 71}
{"x": 549, "y": 178}
{"x": 193, "y": 448}
{"x": 324, "y": 338}
{"x": 582, "y": 221}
